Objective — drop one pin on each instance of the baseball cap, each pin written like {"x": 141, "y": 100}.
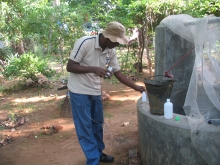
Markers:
{"x": 115, "y": 31}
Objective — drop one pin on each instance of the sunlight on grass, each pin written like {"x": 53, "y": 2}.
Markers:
{"x": 37, "y": 99}
{"x": 1, "y": 88}
{"x": 124, "y": 99}
{"x": 6, "y": 106}
{"x": 108, "y": 115}
{"x": 122, "y": 95}
{"x": 133, "y": 97}
{"x": 28, "y": 108}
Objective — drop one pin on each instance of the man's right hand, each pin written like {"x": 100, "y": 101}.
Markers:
{"x": 75, "y": 67}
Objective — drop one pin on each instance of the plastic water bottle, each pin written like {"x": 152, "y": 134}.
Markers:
{"x": 144, "y": 97}
{"x": 168, "y": 110}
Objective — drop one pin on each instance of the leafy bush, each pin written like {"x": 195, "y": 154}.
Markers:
{"x": 28, "y": 66}
{"x": 127, "y": 61}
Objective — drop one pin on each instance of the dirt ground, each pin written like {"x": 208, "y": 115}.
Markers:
{"x": 29, "y": 144}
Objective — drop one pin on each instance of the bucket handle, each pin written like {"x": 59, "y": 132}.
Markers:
{"x": 158, "y": 76}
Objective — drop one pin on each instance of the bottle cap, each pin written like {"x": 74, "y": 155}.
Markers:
{"x": 168, "y": 100}
{"x": 177, "y": 118}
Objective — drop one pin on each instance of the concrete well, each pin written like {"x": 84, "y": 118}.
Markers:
{"x": 167, "y": 142}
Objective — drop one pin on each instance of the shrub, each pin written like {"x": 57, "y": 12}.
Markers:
{"x": 28, "y": 66}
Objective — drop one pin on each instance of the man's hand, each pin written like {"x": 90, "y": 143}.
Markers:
{"x": 109, "y": 72}
{"x": 139, "y": 88}
{"x": 75, "y": 67}
{"x": 104, "y": 73}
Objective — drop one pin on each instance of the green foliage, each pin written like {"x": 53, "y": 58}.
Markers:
{"x": 75, "y": 3}
{"x": 27, "y": 67}
{"x": 127, "y": 60}
{"x": 133, "y": 13}
{"x": 40, "y": 25}
{"x": 5, "y": 53}
{"x": 201, "y": 8}
{"x": 12, "y": 117}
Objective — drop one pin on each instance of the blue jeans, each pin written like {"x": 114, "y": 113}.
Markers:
{"x": 88, "y": 118}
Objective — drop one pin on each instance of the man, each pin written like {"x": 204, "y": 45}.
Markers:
{"x": 86, "y": 65}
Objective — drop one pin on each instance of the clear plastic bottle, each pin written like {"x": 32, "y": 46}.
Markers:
{"x": 168, "y": 110}
{"x": 144, "y": 97}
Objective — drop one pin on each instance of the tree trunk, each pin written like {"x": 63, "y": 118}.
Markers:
{"x": 18, "y": 47}
{"x": 56, "y": 3}
{"x": 21, "y": 47}
{"x": 146, "y": 38}
{"x": 140, "y": 51}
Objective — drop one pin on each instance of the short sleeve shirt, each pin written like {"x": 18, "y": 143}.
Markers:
{"x": 87, "y": 52}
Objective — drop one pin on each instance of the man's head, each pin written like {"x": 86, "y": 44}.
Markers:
{"x": 115, "y": 32}
{"x": 108, "y": 43}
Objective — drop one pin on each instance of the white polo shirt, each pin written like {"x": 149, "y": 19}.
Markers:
{"x": 87, "y": 52}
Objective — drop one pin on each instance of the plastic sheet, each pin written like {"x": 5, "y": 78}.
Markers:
{"x": 202, "y": 103}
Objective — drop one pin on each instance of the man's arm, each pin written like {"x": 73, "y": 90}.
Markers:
{"x": 123, "y": 79}
{"x": 75, "y": 67}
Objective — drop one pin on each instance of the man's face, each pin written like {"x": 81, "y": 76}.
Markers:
{"x": 111, "y": 44}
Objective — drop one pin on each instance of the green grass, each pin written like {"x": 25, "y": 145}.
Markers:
{"x": 2, "y": 88}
